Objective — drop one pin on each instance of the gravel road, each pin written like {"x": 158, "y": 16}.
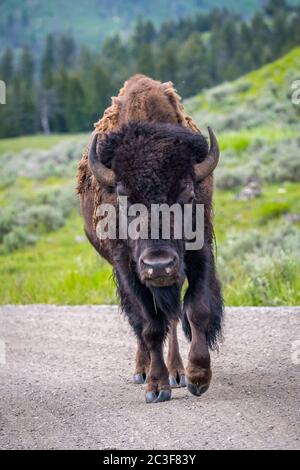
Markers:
{"x": 65, "y": 382}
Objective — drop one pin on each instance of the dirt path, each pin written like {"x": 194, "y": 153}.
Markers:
{"x": 65, "y": 382}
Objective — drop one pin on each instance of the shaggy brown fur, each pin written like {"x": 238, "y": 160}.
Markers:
{"x": 140, "y": 99}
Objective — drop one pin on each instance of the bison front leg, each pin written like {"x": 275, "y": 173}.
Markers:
{"x": 158, "y": 388}
{"x": 174, "y": 361}
{"x": 203, "y": 309}
{"x": 142, "y": 363}
{"x": 198, "y": 370}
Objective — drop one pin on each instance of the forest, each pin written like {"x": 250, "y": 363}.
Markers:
{"x": 66, "y": 88}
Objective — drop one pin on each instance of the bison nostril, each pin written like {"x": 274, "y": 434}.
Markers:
{"x": 158, "y": 265}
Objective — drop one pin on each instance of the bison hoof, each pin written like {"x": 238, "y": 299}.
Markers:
{"x": 178, "y": 381}
{"x": 153, "y": 397}
{"x": 197, "y": 389}
{"x": 139, "y": 378}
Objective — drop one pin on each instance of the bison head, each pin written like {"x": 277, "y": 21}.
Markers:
{"x": 154, "y": 164}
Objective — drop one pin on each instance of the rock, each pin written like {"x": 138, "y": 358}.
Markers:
{"x": 292, "y": 218}
{"x": 251, "y": 191}
{"x": 80, "y": 238}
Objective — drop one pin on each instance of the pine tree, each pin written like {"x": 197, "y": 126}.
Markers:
{"x": 98, "y": 93}
{"x": 66, "y": 51}
{"x": 116, "y": 60}
{"x": 145, "y": 61}
{"x": 167, "y": 68}
{"x": 47, "y": 98}
{"x": 26, "y": 66}
{"x": 7, "y": 66}
{"x": 274, "y": 6}
{"x": 193, "y": 62}
{"x": 48, "y": 63}
{"x": 61, "y": 85}
{"x": 144, "y": 33}
{"x": 27, "y": 109}
{"x": 244, "y": 57}
{"x": 86, "y": 59}
{"x": 75, "y": 101}
{"x": 13, "y": 117}
{"x": 27, "y": 97}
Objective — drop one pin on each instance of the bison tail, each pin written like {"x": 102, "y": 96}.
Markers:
{"x": 214, "y": 333}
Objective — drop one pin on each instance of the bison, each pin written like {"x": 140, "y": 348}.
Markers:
{"x": 147, "y": 149}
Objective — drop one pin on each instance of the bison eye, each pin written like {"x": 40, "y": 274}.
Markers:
{"x": 187, "y": 195}
{"x": 191, "y": 198}
{"x": 110, "y": 189}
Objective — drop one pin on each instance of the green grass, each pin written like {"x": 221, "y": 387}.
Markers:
{"x": 58, "y": 270}
{"x": 278, "y": 285}
{"x": 239, "y": 141}
{"x": 263, "y": 212}
{"x": 41, "y": 142}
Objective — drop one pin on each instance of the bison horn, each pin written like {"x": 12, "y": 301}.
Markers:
{"x": 103, "y": 175}
{"x": 205, "y": 168}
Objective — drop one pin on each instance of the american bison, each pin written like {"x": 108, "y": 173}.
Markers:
{"x": 146, "y": 148}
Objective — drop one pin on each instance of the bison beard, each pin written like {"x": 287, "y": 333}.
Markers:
{"x": 167, "y": 299}
{"x": 161, "y": 303}
{"x": 146, "y": 146}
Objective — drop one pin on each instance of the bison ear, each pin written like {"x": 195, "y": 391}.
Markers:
{"x": 195, "y": 144}
{"x": 107, "y": 146}
{"x": 199, "y": 148}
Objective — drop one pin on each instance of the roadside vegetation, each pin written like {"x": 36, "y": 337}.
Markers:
{"x": 45, "y": 258}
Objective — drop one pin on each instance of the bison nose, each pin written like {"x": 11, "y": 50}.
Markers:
{"x": 158, "y": 266}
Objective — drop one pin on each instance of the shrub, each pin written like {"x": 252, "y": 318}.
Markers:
{"x": 63, "y": 198}
{"x": 275, "y": 162}
{"x": 7, "y": 221}
{"x": 220, "y": 92}
{"x": 18, "y": 238}
{"x": 256, "y": 252}
{"x": 41, "y": 219}
{"x": 228, "y": 178}
{"x": 61, "y": 160}
{"x": 272, "y": 281}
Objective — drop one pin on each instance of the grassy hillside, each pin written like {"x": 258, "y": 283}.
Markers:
{"x": 258, "y": 127}
{"x": 260, "y": 99}
{"x": 44, "y": 256}
{"x": 257, "y": 121}
{"x": 91, "y": 20}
